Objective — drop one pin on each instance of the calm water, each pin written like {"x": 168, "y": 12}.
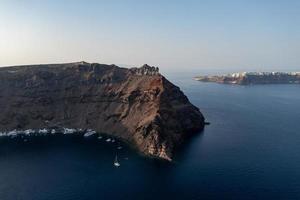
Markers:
{"x": 251, "y": 150}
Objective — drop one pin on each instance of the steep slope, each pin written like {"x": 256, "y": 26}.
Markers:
{"x": 138, "y": 105}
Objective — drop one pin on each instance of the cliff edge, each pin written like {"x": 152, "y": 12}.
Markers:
{"x": 138, "y": 105}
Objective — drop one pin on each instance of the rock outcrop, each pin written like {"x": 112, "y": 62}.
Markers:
{"x": 138, "y": 105}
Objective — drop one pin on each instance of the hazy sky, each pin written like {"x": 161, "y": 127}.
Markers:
{"x": 169, "y": 34}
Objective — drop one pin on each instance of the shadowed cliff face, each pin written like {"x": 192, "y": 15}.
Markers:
{"x": 138, "y": 105}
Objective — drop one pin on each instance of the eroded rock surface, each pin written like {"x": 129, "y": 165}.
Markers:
{"x": 138, "y": 105}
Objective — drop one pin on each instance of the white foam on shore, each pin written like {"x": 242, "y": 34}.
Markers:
{"x": 45, "y": 132}
{"x": 69, "y": 131}
{"x": 89, "y": 133}
{"x": 25, "y": 134}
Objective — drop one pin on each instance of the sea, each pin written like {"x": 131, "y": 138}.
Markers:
{"x": 251, "y": 150}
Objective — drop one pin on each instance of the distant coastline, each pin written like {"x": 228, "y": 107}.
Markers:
{"x": 248, "y": 78}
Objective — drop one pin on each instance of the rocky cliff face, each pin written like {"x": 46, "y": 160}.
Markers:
{"x": 138, "y": 105}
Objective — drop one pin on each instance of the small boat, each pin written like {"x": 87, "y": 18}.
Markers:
{"x": 116, "y": 163}
{"x": 100, "y": 137}
{"x": 119, "y": 147}
{"x": 108, "y": 140}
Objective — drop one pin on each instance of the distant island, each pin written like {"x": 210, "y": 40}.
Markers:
{"x": 248, "y": 78}
{"x": 137, "y": 105}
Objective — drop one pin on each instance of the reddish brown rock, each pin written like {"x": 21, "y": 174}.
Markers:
{"x": 138, "y": 105}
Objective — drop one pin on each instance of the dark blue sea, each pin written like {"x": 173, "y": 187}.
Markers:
{"x": 251, "y": 150}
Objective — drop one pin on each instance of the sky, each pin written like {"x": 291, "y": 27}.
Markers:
{"x": 173, "y": 35}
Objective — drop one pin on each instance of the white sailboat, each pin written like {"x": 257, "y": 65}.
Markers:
{"x": 116, "y": 162}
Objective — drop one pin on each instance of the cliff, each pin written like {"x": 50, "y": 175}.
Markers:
{"x": 138, "y": 105}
